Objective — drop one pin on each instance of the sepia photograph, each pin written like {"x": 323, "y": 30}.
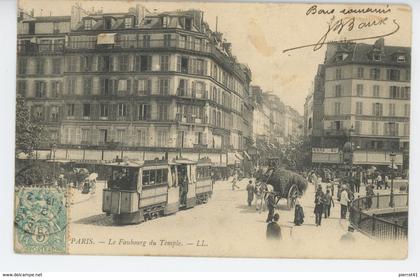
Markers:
{"x": 213, "y": 129}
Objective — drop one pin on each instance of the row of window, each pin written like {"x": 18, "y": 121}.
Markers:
{"x": 40, "y": 67}
{"x": 140, "y": 137}
{"x": 377, "y": 109}
{"x": 388, "y": 128}
{"x": 141, "y": 111}
{"x": 395, "y": 92}
{"x": 376, "y": 74}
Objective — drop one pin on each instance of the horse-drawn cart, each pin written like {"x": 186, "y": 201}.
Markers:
{"x": 285, "y": 184}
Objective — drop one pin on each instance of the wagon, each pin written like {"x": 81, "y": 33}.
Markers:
{"x": 286, "y": 184}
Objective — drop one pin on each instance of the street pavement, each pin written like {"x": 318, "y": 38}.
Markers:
{"x": 223, "y": 227}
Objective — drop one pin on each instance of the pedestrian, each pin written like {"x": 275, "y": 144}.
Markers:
{"x": 379, "y": 182}
{"x": 348, "y": 237}
{"x": 250, "y": 189}
{"x": 299, "y": 215}
{"x": 364, "y": 178}
{"x": 369, "y": 195}
{"x": 271, "y": 203}
{"x": 319, "y": 205}
{"x": 234, "y": 180}
{"x": 339, "y": 190}
{"x": 344, "y": 202}
{"x": 386, "y": 181}
{"x": 330, "y": 187}
{"x": 328, "y": 202}
{"x": 273, "y": 229}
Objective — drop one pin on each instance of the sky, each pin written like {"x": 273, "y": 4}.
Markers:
{"x": 260, "y": 32}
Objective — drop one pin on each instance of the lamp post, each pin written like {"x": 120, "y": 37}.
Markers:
{"x": 351, "y": 130}
{"x": 391, "y": 198}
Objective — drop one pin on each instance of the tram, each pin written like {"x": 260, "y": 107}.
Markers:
{"x": 139, "y": 191}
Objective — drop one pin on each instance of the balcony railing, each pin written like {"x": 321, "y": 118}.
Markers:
{"x": 190, "y": 93}
{"x": 191, "y": 119}
{"x": 39, "y": 49}
{"x": 174, "y": 43}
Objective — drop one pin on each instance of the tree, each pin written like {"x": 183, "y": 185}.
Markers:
{"x": 297, "y": 153}
{"x": 29, "y": 133}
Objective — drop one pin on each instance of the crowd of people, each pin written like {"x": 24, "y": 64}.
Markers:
{"x": 340, "y": 188}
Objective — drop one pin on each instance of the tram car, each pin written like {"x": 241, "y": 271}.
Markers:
{"x": 139, "y": 191}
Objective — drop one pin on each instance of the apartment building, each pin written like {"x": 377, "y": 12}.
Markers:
{"x": 138, "y": 83}
{"x": 367, "y": 101}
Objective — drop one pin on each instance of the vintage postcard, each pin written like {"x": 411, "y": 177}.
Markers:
{"x": 272, "y": 130}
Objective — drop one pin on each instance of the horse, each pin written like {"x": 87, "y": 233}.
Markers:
{"x": 262, "y": 190}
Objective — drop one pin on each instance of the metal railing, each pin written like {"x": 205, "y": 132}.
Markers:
{"x": 41, "y": 48}
{"x": 365, "y": 216}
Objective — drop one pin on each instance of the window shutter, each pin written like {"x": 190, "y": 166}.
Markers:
{"x": 128, "y": 87}
{"x": 78, "y": 138}
{"x": 190, "y": 66}
{"x": 178, "y": 64}
{"x": 194, "y": 66}
{"x": 113, "y": 111}
{"x": 115, "y": 87}
{"x": 111, "y": 64}
{"x": 78, "y": 111}
{"x": 128, "y": 117}
{"x": 96, "y": 111}
{"x": 149, "y": 86}
{"x": 102, "y": 86}
{"x": 82, "y": 68}
{"x": 205, "y": 67}
{"x": 135, "y": 86}
{"x": 149, "y": 112}
{"x": 194, "y": 86}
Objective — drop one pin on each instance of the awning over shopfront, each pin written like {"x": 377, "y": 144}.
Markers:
{"x": 106, "y": 38}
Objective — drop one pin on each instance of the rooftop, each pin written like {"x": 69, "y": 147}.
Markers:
{"x": 377, "y": 53}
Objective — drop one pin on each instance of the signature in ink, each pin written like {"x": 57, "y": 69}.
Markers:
{"x": 348, "y": 24}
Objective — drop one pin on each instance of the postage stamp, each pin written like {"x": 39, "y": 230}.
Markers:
{"x": 41, "y": 220}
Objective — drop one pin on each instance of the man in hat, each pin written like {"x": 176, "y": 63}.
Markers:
{"x": 348, "y": 237}
{"x": 319, "y": 205}
{"x": 344, "y": 202}
{"x": 250, "y": 189}
{"x": 273, "y": 229}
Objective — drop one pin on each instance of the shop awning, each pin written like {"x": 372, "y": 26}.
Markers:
{"x": 106, "y": 38}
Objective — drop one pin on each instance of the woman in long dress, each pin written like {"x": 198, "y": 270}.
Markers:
{"x": 299, "y": 215}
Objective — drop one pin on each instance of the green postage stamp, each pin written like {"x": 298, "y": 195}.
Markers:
{"x": 41, "y": 220}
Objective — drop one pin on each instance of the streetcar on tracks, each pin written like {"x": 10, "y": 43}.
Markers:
{"x": 139, "y": 191}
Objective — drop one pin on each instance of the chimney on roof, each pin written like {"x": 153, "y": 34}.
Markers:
{"x": 379, "y": 44}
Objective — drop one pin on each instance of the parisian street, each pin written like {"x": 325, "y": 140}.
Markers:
{"x": 232, "y": 227}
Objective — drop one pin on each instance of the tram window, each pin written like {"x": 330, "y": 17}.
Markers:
{"x": 164, "y": 175}
{"x": 146, "y": 175}
{"x": 152, "y": 175}
{"x": 159, "y": 176}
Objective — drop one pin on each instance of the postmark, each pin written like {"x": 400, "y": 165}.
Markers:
{"x": 41, "y": 220}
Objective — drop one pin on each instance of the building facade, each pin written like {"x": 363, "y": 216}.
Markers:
{"x": 366, "y": 101}
{"x": 139, "y": 82}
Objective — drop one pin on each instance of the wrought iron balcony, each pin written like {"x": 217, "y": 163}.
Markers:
{"x": 39, "y": 49}
{"x": 193, "y": 94}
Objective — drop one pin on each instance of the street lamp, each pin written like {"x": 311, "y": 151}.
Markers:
{"x": 351, "y": 130}
{"x": 391, "y": 198}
